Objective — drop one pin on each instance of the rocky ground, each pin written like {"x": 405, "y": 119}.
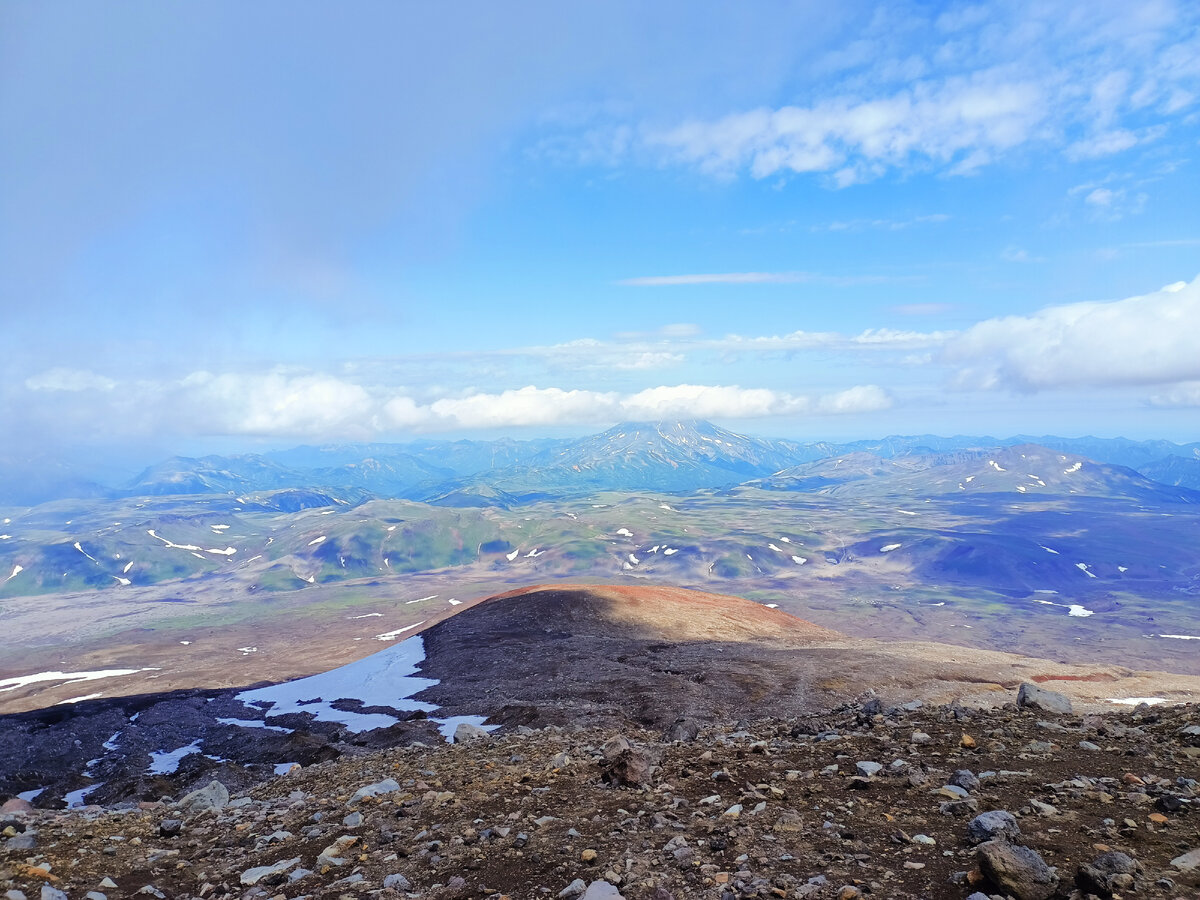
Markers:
{"x": 868, "y": 799}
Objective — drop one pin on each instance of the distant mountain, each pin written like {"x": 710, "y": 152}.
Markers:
{"x": 662, "y": 456}
{"x": 452, "y": 457}
{"x": 211, "y": 475}
{"x": 1117, "y": 451}
{"x": 1026, "y": 469}
{"x": 1178, "y": 471}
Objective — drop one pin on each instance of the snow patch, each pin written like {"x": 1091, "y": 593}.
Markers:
{"x": 888, "y": 548}
{"x": 11, "y": 684}
{"x": 320, "y": 540}
{"x": 387, "y": 678}
{"x": 420, "y": 599}
{"x": 995, "y": 465}
{"x": 799, "y": 560}
{"x": 392, "y": 635}
{"x": 166, "y": 762}
{"x": 1182, "y": 637}
{"x": 1083, "y": 567}
{"x": 1071, "y": 470}
{"x": 365, "y": 616}
{"x": 254, "y": 723}
{"x": 624, "y": 532}
{"x": 511, "y": 556}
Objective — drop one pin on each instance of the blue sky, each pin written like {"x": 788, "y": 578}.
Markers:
{"x": 238, "y": 226}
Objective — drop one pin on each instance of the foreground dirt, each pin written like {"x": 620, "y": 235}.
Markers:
{"x": 766, "y": 808}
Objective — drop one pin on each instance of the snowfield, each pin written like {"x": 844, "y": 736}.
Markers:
{"x": 387, "y": 678}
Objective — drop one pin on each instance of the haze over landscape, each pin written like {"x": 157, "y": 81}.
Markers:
{"x": 614, "y": 450}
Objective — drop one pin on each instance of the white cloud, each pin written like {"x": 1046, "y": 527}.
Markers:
{"x": 758, "y": 278}
{"x": 552, "y": 406}
{"x": 717, "y": 278}
{"x": 277, "y": 403}
{"x": 1020, "y": 255}
{"x": 871, "y": 339}
{"x": 964, "y": 119}
{"x": 1185, "y": 394}
{"x": 1150, "y": 339}
{"x": 61, "y": 379}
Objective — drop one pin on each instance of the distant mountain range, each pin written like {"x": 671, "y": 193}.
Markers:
{"x": 663, "y": 456}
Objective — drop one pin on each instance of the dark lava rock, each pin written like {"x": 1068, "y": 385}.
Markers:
{"x": 1107, "y": 874}
{"x": 1017, "y": 870}
{"x": 628, "y": 768}
{"x": 992, "y": 825}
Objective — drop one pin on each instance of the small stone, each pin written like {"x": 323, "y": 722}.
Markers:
{"x": 601, "y": 890}
{"x": 965, "y": 779}
{"x": 588, "y": 856}
{"x": 574, "y": 889}
{"x": 397, "y": 882}
{"x": 1088, "y": 745}
{"x": 53, "y": 893}
{"x": 107, "y": 882}
{"x": 258, "y": 873}
{"x": 966, "y": 742}
{"x": 923, "y": 839}
{"x": 868, "y": 769}
{"x": 912, "y": 864}
{"x": 1159, "y": 819}
{"x": 387, "y": 786}
{"x": 734, "y": 811}
{"x": 170, "y": 827}
{"x": 849, "y": 892}
{"x": 920, "y": 737}
{"x": 353, "y": 820}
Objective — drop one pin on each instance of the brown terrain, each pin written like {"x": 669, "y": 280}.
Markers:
{"x": 737, "y": 774}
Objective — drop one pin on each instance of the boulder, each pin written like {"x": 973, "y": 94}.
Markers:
{"x": 1016, "y": 870}
{"x": 993, "y": 825}
{"x": 213, "y": 796}
{"x": 1030, "y": 696}
{"x": 1107, "y": 874}
{"x": 683, "y": 729}
{"x": 467, "y": 733}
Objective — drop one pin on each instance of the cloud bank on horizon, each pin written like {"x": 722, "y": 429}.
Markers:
{"x": 231, "y": 222}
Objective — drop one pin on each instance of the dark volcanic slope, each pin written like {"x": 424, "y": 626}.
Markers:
{"x": 589, "y": 653}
